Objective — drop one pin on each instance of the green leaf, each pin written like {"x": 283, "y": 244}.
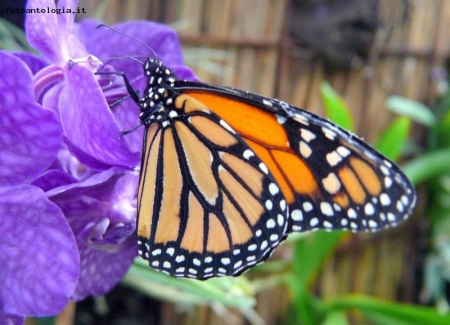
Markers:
{"x": 51, "y": 320}
{"x": 434, "y": 273}
{"x": 412, "y": 109}
{"x": 445, "y": 124}
{"x": 99, "y": 13}
{"x": 393, "y": 138}
{"x": 442, "y": 136}
{"x": 12, "y": 38}
{"x": 427, "y": 166}
{"x": 306, "y": 309}
{"x": 336, "y": 318}
{"x": 335, "y": 108}
{"x": 389, "y": 313}
{"x": 310, "y": 253}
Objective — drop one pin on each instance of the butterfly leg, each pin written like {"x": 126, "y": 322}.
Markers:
{"x": 133, "y": 94}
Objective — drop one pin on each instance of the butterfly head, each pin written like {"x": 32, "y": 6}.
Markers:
{"x": 158, "y": 93}
{"x": 158, "y": 74}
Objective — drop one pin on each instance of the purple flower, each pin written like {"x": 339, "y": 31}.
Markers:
{"x": 101, "y": 212}
{"x": 38, "y": 252}
{"x": 68, "y": 182}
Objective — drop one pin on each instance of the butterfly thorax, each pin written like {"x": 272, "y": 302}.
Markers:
{"x": 157, "y": 103}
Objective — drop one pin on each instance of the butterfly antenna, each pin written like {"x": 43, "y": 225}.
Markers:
{"x": 130, "y": 37}
{"x": 131, "y": 57}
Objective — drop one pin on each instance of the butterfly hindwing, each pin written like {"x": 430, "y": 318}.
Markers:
{"x": 208, "y": 206}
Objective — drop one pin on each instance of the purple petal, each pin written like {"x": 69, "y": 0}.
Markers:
{"x": 102, "y": 214}
{"x": 92, "y": 228}
{"x": 52, "y": 179}
{"x": 16, "y": 81}
{"x": 50, "y": 99}
{"x": 33, "y": 62}
{"x": 84, "y": 157}
{"x": 103, "y": 234}
{"x": 127, "y": 117}
{"x": 69, "y": 163}
{"x": 102, "y": 270}
{"x": 66, "y": 21}
{"x": 86, "y": 28}
{"x": 101, "y": 186}
{"x": 108, "y": 217}
{"x": 45, "y": 34}
{"x": 10, "y": 319}
{"x": 40, "y": 261}
{"x": 98, "y": 226}
{"x": 30, "y": 136}
{"x": 88, "y": 122}
{"x": 103, "y": 261}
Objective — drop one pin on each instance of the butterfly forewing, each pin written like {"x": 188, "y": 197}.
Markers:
{"x": 213, "y": 208}
{"x": 357, "y": 188}
{"x": 330, "y": 178}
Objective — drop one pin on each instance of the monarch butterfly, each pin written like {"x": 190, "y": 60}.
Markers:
{"x": 227, "y": 174}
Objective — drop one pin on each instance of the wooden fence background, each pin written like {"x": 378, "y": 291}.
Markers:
{"x": 246, "y": 44}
